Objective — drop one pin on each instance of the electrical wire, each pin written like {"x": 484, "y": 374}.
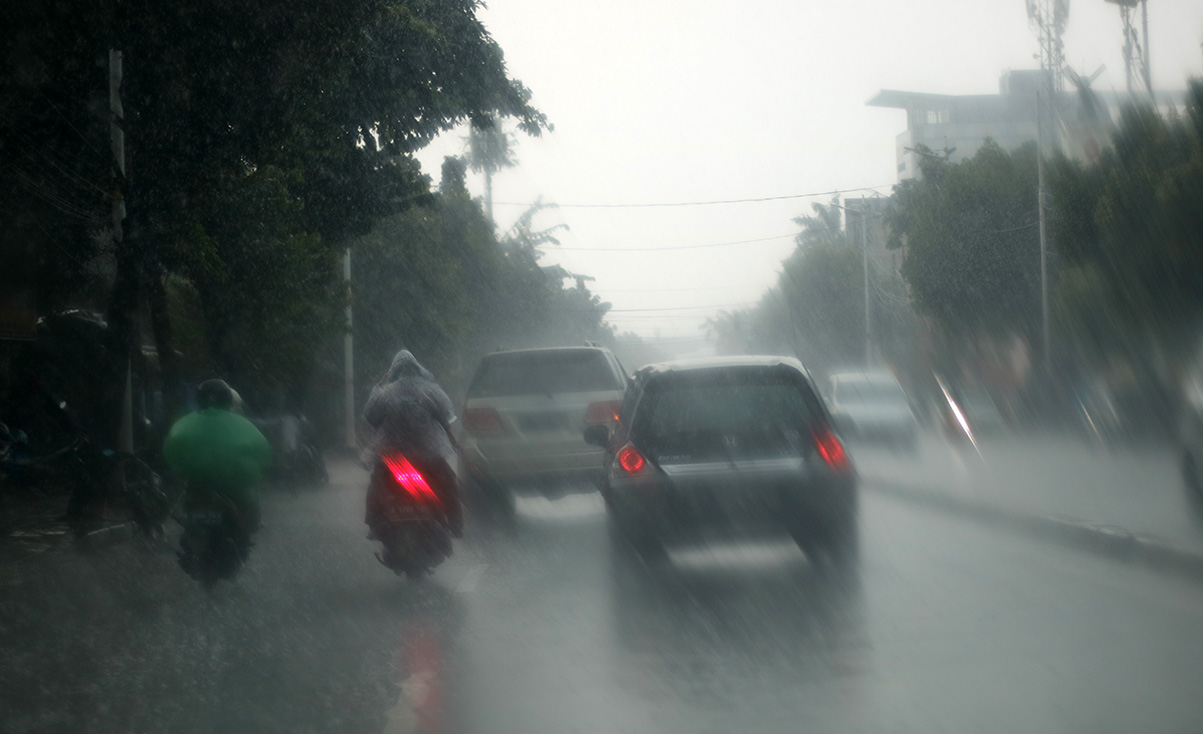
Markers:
{"x": 674, "y": 247}
{"x": 712, "y": 202}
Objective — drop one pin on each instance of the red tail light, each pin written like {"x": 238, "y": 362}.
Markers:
{"x": 832, "y": 451}
{"x": 411, "y": 480}
{"x": 631, "y": 461}
{"x": 603, "y": 412}
{"x": 482, "y": 420}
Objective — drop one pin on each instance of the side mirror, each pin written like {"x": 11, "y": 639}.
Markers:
{"x": 598, "y": 435}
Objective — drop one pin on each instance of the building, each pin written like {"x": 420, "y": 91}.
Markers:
{"x": 954, "y": 127}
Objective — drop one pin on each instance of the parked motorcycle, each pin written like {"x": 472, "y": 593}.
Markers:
{"x": 408, "y": 517}
{"x": 217, "y": 537}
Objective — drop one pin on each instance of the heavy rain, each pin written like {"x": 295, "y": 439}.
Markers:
{"x": 397, "y": 366}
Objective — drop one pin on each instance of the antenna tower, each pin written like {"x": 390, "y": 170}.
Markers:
{"x": 1049, "y": 18}
{"x": 1136, "y": 54}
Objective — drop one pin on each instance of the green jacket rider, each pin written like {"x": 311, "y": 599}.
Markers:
{"x": 217, "y": 449}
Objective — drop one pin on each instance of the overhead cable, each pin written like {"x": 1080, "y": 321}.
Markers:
{"x": 633, "y": 205}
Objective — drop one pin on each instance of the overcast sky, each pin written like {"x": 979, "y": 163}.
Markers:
{"x": 659, "y": 102}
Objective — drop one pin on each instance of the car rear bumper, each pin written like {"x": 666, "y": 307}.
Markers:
{"x": 535, "y": 469}
{"x": 735, "y": 505}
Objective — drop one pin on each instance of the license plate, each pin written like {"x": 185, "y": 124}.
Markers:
{"x": 405, "y": 513}
{"x": 544, "y": 422}
{"x": 204, "y": 517}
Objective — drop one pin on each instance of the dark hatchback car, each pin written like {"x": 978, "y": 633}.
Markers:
{"x": 730, "y": 446}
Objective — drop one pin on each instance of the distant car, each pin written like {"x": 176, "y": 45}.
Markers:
{"x": 739, "y": 445}
{"x": 524, "y": 415}
{"x": 871, "y": 406}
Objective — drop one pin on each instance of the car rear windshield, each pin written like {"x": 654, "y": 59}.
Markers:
{"x": 744, "y": 411}
{"x": 537, "y": 373}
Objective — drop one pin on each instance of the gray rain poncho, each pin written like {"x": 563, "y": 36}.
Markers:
{"x": 409, "y": 412}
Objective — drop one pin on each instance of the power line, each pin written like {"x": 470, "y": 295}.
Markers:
{"x": 674, "y": 247}
{"x": 685, "y": 290}
{"x": 702, "y": 203}
{"x": 681, "y": 308}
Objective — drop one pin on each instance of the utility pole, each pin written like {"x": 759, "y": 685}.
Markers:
{"x": 1041, "y": 194}
{"x": 1144, "y": 19}
{"x": 125, "y": 431}
{"x": 864, "y": 251}
{"x": 349, "y": 364}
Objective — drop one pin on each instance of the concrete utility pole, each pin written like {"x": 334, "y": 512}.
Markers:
{"x": 864, "y": 251}
{"x": 125, "y": 432}
{"x": 1041, "y": 194}
{"x": 1144, "y": 19}
{"x": 351, "y": 440}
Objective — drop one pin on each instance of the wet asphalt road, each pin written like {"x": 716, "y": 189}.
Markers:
{"x": 539, "y": 628}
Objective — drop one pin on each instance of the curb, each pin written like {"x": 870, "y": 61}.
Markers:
{"x": 1104, "y": 540}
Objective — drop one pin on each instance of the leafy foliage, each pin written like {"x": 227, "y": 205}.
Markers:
{"x": 1137, "y": 272}
{"x": 262, "y": 137}
{"x": 973, "y": 248}
{"x": 436, "y": 281}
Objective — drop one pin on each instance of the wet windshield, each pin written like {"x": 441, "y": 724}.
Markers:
{"x": 417, "y": 366}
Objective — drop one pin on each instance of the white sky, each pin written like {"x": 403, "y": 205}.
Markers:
{"x": 659, "y": 101}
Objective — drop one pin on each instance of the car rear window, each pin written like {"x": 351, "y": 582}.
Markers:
{"x": 742, "y": 411}
{"x": 535, "y": 373}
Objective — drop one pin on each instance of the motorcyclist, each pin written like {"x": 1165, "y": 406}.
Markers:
{"x": 412, "y": 415}
{"x": 217, "y": 450}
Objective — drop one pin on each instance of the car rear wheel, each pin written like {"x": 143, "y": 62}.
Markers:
{"x": 1190, "y": 473}
{"x": 838, "y": 543}
{"x": 632, "y": 536}
{"x": 841, "y": 543}
{"x": 491, "y": 498}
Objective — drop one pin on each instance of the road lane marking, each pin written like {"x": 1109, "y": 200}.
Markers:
{"x": 471, "y": 578}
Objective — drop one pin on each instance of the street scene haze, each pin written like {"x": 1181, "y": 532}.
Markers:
{"x": 457, "y": 367}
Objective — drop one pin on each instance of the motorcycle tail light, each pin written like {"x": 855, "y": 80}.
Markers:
{"x": 411, "y": 480}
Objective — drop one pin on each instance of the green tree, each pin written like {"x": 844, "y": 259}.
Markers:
{"x": 1134, "y": 252}
{"x": 286, "y": 128}
{"x": 972, "y": 238}
{"x": 823, "y": 227}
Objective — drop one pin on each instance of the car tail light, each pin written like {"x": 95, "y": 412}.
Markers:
{"x": 411, "y": 480}
{"x": 832, "y": 451}
{"x": 631, "y": 461}
{"x": 482, "y": 420}
{"x": 604, "y": 412}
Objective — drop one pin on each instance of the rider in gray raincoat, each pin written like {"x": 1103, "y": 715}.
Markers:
{"x": 412, "y": 415}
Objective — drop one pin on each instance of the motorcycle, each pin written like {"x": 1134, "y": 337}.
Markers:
{"x": 409, "y": 517}
{"x": 216, "y": 540}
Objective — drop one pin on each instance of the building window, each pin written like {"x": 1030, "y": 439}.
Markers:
{"x": 936, "y": 117}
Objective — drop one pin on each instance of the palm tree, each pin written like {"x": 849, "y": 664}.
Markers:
{"x": 488, "y": 152}
{"x": 823, "y": 228}
{"x": 522, "y": 236}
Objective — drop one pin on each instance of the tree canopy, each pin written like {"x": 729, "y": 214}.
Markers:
{"x": 262, "y": 138}
{"x": 972, "y": 241}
